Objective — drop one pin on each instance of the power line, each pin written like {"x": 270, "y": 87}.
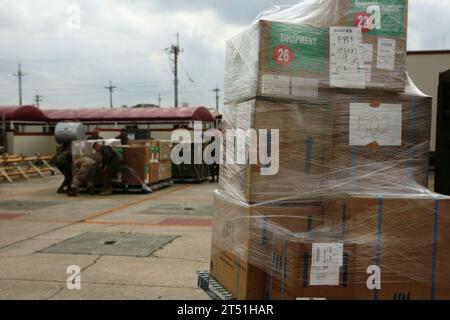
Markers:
{"x": 217, "y": 90}
{"x": 38, "y": 99}
{"x": 19, "y": 75}
{"x": 111, "y": 90}
{"x": 175, "y": 50}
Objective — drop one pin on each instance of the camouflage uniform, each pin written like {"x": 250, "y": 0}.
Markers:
{"x": 85, "y": 171}
{"x": 111, "y": 166}
{"x": 63, "y": 161}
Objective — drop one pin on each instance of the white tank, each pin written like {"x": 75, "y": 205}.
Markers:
{"x": 66, "y": 132}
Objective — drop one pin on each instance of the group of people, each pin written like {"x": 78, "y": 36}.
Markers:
{"x": 103, "y": 165}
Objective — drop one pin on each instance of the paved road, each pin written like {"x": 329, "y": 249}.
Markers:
{"x": 127, "y": 246}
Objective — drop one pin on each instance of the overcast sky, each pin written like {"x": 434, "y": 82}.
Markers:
{"x": 124, "y": 41}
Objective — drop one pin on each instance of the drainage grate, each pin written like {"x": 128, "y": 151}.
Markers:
{"x": 14, "y": 205}
{"x": 112, "y": 244}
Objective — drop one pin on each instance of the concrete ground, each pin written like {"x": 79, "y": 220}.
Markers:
{"x": 35, "y": 223}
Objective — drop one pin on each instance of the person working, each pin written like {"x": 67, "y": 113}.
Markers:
{"x": 111, "y": 165}
{"x": 123, "y": 137}
{"x": 85, "y": 172}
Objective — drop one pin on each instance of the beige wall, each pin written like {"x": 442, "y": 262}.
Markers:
{"x": 424, "y": 69}
{"x": 30, "y": 145}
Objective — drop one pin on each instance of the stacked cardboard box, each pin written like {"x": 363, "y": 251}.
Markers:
{"x": 331, "y": 76}
{"x": 242, "y": 237}
{"x": 303, "y": 148}
{"x": 358, "y": 44}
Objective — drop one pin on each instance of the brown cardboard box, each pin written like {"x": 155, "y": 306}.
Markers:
{"x": 276, "y": 59}
{"x": 292, "y": 269}
{"x": 165, "y": 170}
{"x": 383, "y": 53}
{"x": 381, "y": 138}
{"x": 304, "y": 136}
{"x": 165, "y": 150}
{"x": 153, "y": 145}
{"x": 406, "y": 236}
{"x": 154, "y": 172}
{"x": 300, "y": 59}
{"x": 136, "y": 163}
{"x": 240, "y": 239}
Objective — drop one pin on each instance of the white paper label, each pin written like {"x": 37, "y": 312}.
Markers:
{"x": 272, "y": 84}
{"x": 386, "y": 54}
{"x": 382, "y": 125}
{"x": 326, "y": 254}
{"x": 302, "y": 87}
{"x": 325, "y": 275}
{"x": 346, "y": 62}
{"x": 366, "y": 52}
{"x": 311, "y": 299}
{"x": 327, "y": 259}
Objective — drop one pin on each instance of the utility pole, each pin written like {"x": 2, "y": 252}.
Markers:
{"x": 175, "y": 50}
{"x": 217, "y": 90}
{"x": 19, "y": 75}
{"x": 111, "y": 90}
{"x": 38, "y": 99}
{"x": 159, "y": 100}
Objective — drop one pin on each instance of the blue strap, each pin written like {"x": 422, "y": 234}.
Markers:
{"x": 435, "y": 241}
{"x": 379, "y": 239}
{"x": 283, "y": 273}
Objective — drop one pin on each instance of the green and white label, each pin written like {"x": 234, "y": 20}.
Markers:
{"x": 299, "y": 47}
{"x": 378, "y": 17}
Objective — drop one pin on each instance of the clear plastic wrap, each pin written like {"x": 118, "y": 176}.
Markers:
{"x": 319, "y": 45}
{"x": 347, "y": 215}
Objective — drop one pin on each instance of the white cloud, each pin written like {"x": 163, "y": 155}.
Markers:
{"x": 124, "y": 41}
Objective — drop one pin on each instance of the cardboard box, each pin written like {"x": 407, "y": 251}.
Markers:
{"x": 165, "y": 150}
{"x": 406, "y": 236}
{"x": 304, "y": 137}
{"x": 165, "y": 170}
{"x": 381, "y": 138}
{"x": 356, "y": 44}
{"x": 136, "y": 166}
{"x": 86, "y": 148}
{"x": 302, "y": 269}
{"x": 276, "y": 59}
{"x": 241, "y": 234}
{"x": 382, "y": 49}
{"x": 152, "y": 145}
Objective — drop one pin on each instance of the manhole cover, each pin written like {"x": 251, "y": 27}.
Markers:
{"x": 13, "y": 205}
{"x": 112, "y": 244}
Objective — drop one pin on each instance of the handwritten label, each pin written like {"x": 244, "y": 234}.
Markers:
{"x": 346, "y": 62}
{"x": 382, "y": 125}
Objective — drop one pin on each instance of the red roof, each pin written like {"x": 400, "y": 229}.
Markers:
{"x": 24, "y": 113}
{"x": 139, "y": 114}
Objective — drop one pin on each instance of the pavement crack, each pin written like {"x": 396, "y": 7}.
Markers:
{"x": 56, "y": 293}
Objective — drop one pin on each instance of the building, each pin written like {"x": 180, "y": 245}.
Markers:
{"x": 424, "y": 68}
{"x": 29, "y": 130}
